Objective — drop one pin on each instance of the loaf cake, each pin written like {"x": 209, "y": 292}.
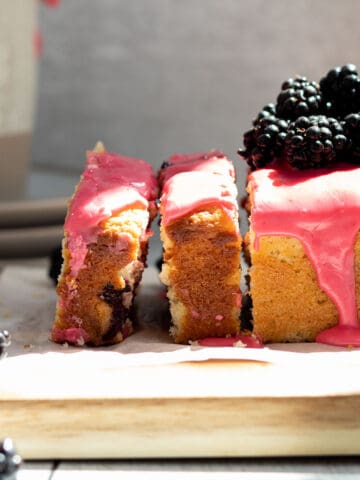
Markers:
{"x": 104, "y": 249}
{"x": 201, "y": 245}
{"x": 303, "y": 243}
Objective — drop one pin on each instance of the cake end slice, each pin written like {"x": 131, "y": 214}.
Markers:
{"x": 104, "y": 249}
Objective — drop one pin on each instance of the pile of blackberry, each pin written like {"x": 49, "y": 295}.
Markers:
{"x": 312, "y": 125}
{"x": 315, "y": 141}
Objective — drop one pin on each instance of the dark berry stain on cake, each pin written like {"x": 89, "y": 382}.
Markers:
{"x": 113, "y": 297}
{"x": 312, "y": 125}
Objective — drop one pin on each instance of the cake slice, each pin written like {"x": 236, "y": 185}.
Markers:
{"x": 104, "y": 249}
{"x": 201, "y": 245}
{"x": 304, "y": 251}
{"x": 303, "y": 244}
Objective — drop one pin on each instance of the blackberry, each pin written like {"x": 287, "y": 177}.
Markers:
{"x": 4, "y": 341}
{"x": 314, "y": 142}
{"x": 9, "y": 460}
{"x": 352, "y": 131}
{"x": 112, "y": 295}
{"x": 264, "y": 142}
{"x": 268, "y": 111}
{"x": 341, "y": 90}
{"x": 298, "y": 97}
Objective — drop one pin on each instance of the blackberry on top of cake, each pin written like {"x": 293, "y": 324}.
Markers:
{"x": 311, "y": 125}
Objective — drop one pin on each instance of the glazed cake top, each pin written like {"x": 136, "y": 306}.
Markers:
{"x": 286, "y": 189}
{"x": 193, "y": 181}
{"x": 321, "y": 208}
{"x": 212, "y": 161}
{"x": 110, "y": 183}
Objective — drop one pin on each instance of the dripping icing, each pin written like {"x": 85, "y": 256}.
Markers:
{"x": 322, "y": 210}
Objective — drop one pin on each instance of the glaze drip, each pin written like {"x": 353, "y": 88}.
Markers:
{"x": 101, "y": 194}
{"x": 322, "y": 210}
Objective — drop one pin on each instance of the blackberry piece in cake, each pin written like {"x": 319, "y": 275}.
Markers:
{"x": 201, "y": 244}
{"x": 104, "y": 249}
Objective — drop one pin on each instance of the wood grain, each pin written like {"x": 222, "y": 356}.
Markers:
{"x": 150, "y": 398}
{"x": 194, "y": 424}
{"x": 183, "y": 427}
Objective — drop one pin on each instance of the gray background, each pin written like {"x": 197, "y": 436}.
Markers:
{"x": 153, "y": 77}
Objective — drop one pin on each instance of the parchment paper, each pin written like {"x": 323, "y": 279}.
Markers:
{"x": 27, "y": 304}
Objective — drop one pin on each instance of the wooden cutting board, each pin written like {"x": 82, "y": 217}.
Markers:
{"x": 148, "y": 398}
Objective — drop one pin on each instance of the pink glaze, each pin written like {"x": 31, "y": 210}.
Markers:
{"x": 110, "y": 183}
{"x": 247, "y": 341}
{"x": 185, "y": 192}
{"x": 322, "y": 210}
{"x": 213, "y": 161}
{"x": 73, "y": 335}
{"x": 178, "y": 158}
{"x": 197, "y": 180}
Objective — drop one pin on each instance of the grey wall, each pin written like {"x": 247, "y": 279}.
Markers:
{"x": 151, "y": 77}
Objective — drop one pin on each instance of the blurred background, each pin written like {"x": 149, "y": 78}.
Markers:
{"x": 150, "y": 78}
